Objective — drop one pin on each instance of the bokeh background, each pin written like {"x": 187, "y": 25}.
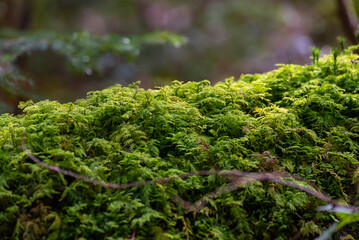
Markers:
{"x": 225, "y": 38}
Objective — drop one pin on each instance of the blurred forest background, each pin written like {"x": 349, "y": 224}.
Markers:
{"x": 224, "y": 38}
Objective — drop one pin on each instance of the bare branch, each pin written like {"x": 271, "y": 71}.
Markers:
{"x": 238, "y": 179}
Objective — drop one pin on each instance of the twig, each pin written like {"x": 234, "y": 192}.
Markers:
{"x": 355, "y": 60}
{"x": 239, "y": 179}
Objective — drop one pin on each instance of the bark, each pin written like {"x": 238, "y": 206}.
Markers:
{"x": 347, "y": 25}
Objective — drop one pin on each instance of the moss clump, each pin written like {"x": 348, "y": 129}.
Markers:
{"x": 296, "y": 119}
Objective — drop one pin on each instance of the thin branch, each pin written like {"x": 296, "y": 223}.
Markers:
{"x": 239, "y": 179}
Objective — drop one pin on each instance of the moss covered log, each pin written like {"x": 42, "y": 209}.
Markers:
{"x": 301, "y": 120}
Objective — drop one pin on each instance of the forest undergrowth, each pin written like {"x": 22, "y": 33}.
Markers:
{"x": 189, "y": 160}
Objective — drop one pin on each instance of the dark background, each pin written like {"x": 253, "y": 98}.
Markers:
{"x": 225, "y": 38}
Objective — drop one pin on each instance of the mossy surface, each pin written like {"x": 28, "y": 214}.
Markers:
{"x": 303, "y": 117}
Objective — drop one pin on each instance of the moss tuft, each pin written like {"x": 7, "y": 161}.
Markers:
{"x": 297, "y": 119}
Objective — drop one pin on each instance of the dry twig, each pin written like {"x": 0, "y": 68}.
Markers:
{"x": 238, "y": 178}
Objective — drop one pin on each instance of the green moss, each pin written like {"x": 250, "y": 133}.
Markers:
{"x": 304, "y": 117}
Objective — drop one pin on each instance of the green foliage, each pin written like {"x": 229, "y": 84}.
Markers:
{"x": 296, "y": 119}
{"x": 81, "y": 51}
